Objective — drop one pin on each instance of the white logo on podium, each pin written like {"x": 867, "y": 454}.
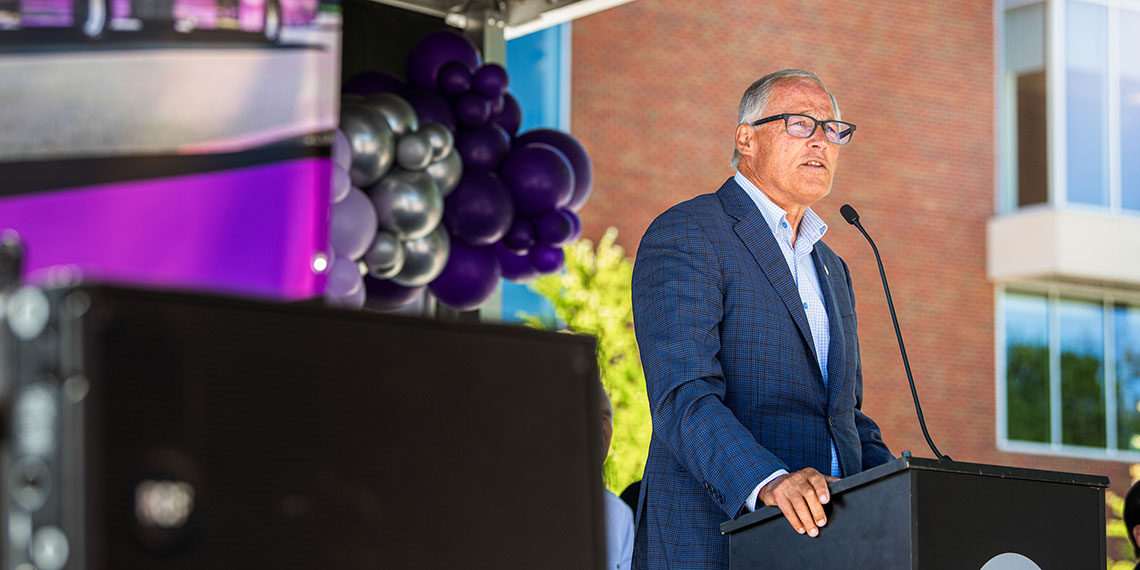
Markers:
{"x": 1010, "y": 561}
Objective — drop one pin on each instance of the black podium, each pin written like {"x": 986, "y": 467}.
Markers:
{"x": 915, "y": 513}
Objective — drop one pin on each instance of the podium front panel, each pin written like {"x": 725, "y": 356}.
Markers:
{"x": 964, "y": 521}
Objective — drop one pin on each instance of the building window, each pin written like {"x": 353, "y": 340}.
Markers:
{"x": 1025, "y": 109}
{"x": 1071, "y": 381}
{"x": 1070, "y": 104}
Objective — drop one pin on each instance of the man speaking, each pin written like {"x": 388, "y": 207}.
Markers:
{"x": 746, "y": 325}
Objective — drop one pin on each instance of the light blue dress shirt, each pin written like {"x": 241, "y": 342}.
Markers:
{"x": 803, "y": 271}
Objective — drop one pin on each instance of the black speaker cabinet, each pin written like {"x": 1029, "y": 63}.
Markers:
{"x": 166, "y": 430}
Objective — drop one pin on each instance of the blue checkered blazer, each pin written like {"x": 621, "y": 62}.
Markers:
{"x": 732, "y": 375}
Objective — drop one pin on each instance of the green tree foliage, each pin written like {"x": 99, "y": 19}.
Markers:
{"x": 1027, "y": 386}
{"x": 1115, "y": 530}
{"x": 593, "y": 296}
{"x": 1082, "y": 400}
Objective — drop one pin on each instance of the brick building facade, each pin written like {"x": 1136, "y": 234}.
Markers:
{"x": 655, "y": 89}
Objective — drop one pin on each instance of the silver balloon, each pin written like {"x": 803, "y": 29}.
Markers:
{"x": 442, "y": 141}
{"x": 385, "y": 258}
{"x": 424, "y": 259}
{"x": 408, "y": 203}
{"x": 400, "y": 114}
{"x": 372, "y": 143}
{"x": 446, "y": 172}
{"x": 413, "y": 151}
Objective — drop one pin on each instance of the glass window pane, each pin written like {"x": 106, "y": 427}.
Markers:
{"x": 1086, "y": 102}
{"x": 1128, "y": 376}
{"x": 1025, "y": 87}
{"x": 1027, "y": 366}
{"x": 1129, "y": 109}
{"x": 1082, "y": 373}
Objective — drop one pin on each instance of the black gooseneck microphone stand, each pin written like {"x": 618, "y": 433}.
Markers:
{"x": 852, "y": 218}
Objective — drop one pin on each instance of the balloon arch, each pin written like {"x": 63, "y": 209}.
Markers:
{"x": 434, "y": 187}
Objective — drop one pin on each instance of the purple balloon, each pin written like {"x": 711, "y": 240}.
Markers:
{"x": 385, "y": 295}
{"x": 520, "y": 236}
{"x": 554, "y": 229}
{"x": 469, "y": 278}
{"x": 517, "y": 268}
{"x": 540, "y": 178}
{"x": 483, "y": 148}
{"x": 341, "y": 150}
{"x": 579, "y": 160}
{"x": 431, "y": 107}
{"x": 353, "y": 225}
{"x": 490, "y": 80}
{"x": 472, "y": 110}
{"x": 454, "y": 79}
{"x": 344, "y": 277}
{"x": 341, "y": 183}
{"x": 547, "y": 259}
{"x": 436, "y": 48}
{"x": 510, "y": 117}
{"x": 480, "y": 209}
{"x": 371, "y": 82}
{"x": 574, "y": 219}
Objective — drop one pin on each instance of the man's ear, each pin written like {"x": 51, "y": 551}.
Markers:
{"x": 746, "y": 139}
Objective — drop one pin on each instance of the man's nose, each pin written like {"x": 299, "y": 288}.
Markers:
{"x": 819, "y": 138}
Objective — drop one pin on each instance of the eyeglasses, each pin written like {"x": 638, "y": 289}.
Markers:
{"x": 803, "y": 126}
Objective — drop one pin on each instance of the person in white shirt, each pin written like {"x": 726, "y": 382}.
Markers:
{"x": 619, "y": 517}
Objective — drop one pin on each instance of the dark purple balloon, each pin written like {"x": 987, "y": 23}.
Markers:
{"x": 547, "y": 259}
{"x": 540, "y": 178}
{"x": 490, "y": 80}
{"x": 454, "y": 79}
{"x": 553, "y": 228}
{"x": 517, "y": 268}
{"x": 469, "y": 278}
{"x": 579, "y": 160}
{"x": 368, "y": 83}
{"x": 436, "y": 48}
{"x": 520, "y": 236}
{"x": 574, "y": 219}
{"x": 497, "y": 104}
{"x": 510, "y": 117}
{"x": 431, "y": 107}
{"x": 480, "y": 209}
{"x": 472, "y": 110}
{"x": 385, "y": 295}
{"x": 483, "y": 148}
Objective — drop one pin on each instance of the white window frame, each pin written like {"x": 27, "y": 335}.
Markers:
{"x": 1054, "y": 291}
{"x": 1056, "y": 108}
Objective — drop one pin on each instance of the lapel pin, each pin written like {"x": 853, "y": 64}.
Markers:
{"x": 826, "y": 272}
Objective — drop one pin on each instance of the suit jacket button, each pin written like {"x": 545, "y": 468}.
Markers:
{"x": 830, "y": 422}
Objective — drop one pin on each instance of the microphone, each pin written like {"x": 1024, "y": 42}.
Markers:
{"x": 852, "y": 218}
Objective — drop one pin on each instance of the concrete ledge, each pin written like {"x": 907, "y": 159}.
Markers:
{"x": 1064, "y": 244}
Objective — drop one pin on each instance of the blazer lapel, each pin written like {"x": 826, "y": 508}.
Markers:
{"x": 837, "y": 347}
{"x": 758, "y": 238}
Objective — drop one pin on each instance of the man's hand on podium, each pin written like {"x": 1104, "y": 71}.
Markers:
{"x": 800, "y": 496}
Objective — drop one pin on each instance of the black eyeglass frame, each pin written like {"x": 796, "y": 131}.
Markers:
{"x": 815, "y": 125}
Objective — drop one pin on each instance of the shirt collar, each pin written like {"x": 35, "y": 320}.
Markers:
{"x": 812, "y": 226}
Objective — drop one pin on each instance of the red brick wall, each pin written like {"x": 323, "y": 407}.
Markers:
{"x": 656, "y": 84}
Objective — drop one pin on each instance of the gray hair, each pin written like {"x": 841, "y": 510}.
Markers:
{"x": 755, "y": 99}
